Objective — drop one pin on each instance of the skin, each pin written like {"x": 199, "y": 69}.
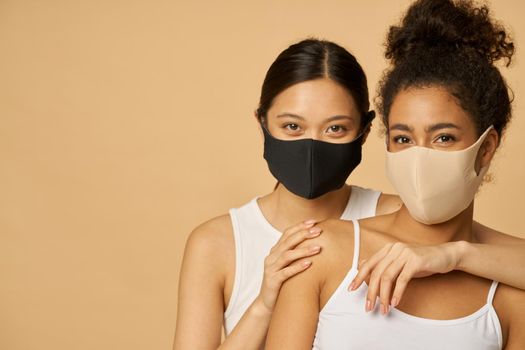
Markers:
{"x": 319, "y": 109}
{"x": 438, "y": 296}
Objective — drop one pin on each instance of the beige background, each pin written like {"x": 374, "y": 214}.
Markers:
{"x": 124, "y": 124}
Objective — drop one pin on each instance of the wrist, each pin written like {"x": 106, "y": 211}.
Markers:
{"x": 462, "y": 249}
{"x": 259, "y": 309}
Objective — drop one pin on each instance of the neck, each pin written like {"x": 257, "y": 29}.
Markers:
{"x": 456, "y": 229}
{"x": 283, "y": 209}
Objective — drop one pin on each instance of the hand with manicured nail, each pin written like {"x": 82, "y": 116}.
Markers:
{"x": 285, "y": 260}
{"x": 391, "y": 268}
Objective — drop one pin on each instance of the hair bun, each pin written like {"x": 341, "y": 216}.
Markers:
{"x": 449, "y": 25}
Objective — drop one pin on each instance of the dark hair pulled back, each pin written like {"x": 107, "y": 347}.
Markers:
{"x": 313, "y": 59}
{"x": 452, "y": 44}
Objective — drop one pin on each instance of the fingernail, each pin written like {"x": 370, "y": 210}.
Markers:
{"x": 315, "y": 249}
{"x": 307, "y": 263}
{"x": 314, "y": 231}
{"x": 384, "y": 309}
{"x": 368, "y": 306}
{"x": 309, "y": 222}
{"x": 352, "y": 286}
{"x": 394, "y": 302}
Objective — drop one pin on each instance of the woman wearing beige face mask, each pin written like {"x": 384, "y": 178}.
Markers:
{"x": 445, "y": 107}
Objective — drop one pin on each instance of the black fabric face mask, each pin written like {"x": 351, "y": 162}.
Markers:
{"x": 310, "y": 168}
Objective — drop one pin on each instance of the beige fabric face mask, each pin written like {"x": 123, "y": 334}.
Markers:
{"x": 435, "y": 185}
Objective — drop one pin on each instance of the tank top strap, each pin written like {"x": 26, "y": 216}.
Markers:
{"x": 357, "y": 240}
{"x": 492, "y": 291}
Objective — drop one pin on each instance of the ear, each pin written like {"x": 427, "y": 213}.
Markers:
{"x": 260, "y": 119}
{"x": 487, "y": 150}
{"x": 259, "y": 122}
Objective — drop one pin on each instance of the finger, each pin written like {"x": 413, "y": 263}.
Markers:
{"x": 367, "y": 266}
{"x": 401, "y": 284}
{"x": 293, "y": 270}
{"x": 297, "y": 238}
{"x": 387, "y": 281}
{"x": 290, "y": 256}
{"x": 290, "y": 244}
{"x": 359, "y": 264}
{"x": 375, "y": 277}
{"x": 298, "y": 227}
{"x": 305, "y": 228}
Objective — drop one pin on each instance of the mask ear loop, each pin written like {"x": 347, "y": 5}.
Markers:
{"x": 370, "y": 116}
{"x": 480, "y": 142}
{"x": 262, "y": 121}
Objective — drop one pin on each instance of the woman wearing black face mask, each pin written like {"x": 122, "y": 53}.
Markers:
{"x": 314, "y": 115}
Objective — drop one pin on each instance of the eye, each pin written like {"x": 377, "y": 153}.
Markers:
{"x": 445, "y": 138}
{"x": 292, "y": 127}
{"x": 336, "y": 129}
{"x": 401, "y": 139}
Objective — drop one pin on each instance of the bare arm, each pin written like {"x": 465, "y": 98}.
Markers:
{"x": 495, "y": 250}
{"x": 391, "y": 269}
{"x": 201, "y": 289}
{"x": 511, "y": 308}
{"x": 295, "y": 317}
{"x": 200, "y": 298}
{"x": 284, "y": 261}
{"x": 250, "y": 332}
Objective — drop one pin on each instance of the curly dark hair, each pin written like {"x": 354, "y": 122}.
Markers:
{"x": 454, "y": 45}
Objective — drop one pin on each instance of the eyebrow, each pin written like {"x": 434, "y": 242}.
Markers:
{"x": 340, "y": 117}
{"x": 428, "y": 129}
{"x": 331, "y": 119}
{"x": 284, "y": 115}
{"x": 402, "y": 127}
{"x": 440, "y": 126}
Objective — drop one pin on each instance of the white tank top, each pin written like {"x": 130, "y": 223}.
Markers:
{"x": 344, "y": 324}
{"x": 255, "y": 236}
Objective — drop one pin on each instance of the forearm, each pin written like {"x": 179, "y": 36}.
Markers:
{"x": 502, "y": 263}
{"x": 294, "y": 320}
{"x": 250, "y": 332}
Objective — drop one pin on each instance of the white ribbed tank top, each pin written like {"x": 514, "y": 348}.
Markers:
{"x": 344, "y": 324}
{"x": 255, "y": 236}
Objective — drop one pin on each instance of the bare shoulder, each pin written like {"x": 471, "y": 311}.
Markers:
{"x": 336, "y": 241}
{"x": 212, "y": 238}
{"x": 336, "y": 235}
{"x": 509, "y": 303}
{"x": 203, "y": 284}
{"x": 388, "y": 203}
{"x": 513, "y": 296}
{"x": 213, "y": 231}
{"x": 336, "y": 232}
{"x": 333, "y": 262}
{"x": 485, "y": 234}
